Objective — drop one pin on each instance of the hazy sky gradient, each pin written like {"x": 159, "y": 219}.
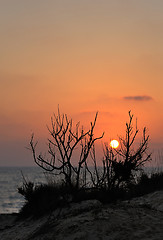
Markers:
{"x": 84, "y": 55}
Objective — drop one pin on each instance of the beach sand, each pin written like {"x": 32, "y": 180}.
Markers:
{"x": 139, "y": 218}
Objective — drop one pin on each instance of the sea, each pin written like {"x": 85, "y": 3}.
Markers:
{"x": 11, "y": 178}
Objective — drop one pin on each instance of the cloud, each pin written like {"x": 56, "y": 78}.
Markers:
{"x": 138, "y": 98}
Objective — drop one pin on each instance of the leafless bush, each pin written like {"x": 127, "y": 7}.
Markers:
{"x": 64, "y": 140}
{"x": 120, "y": 164}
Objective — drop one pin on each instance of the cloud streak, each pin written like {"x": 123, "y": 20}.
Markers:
{"x": 138, "y": 98}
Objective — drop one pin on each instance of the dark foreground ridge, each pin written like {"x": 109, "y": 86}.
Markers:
{"x": 140, "y": 217}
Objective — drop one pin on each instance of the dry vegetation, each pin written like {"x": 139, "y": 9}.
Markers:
{"x": 116, "y": 179}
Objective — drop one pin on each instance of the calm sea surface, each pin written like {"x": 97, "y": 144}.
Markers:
{"x": 10, "y": 179}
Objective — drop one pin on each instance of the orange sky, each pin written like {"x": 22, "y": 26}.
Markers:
{"x": 84, "y": 55}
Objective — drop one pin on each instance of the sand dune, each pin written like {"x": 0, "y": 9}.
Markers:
{"x": 139, "y": 218}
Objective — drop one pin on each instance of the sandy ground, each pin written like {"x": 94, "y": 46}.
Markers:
{"x": 139, "y": 218}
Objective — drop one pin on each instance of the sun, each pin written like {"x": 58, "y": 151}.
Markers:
{"x": 114, "y": 143}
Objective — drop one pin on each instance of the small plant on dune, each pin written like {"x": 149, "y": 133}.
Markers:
{"x": 44, "y": 198}
{"x": 26, "y": 190}
{"x": 146, "y": 183}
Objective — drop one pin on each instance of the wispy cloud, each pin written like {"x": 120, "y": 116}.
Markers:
{"x": 138, "y": 98}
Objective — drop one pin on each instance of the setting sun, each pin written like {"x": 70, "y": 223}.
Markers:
{"x": 114, "y": 143}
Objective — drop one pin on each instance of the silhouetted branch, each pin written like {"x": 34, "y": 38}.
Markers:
{"x": 63, "y": 142}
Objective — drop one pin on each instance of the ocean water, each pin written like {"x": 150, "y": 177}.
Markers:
{"x": 10, "y": 179}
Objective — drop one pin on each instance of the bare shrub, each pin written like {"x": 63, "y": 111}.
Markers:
{"x": 64, "y": 140}
{"x": 121, "y": 164}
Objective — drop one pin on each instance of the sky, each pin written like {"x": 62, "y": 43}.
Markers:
{"x": 86, "y": 56}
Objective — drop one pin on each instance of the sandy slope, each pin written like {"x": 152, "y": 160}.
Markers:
{"x": 140, "y": 218}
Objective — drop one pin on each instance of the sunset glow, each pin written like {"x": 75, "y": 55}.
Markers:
{"x": 114, "y": 143}
{"x": 86, "y": 56}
